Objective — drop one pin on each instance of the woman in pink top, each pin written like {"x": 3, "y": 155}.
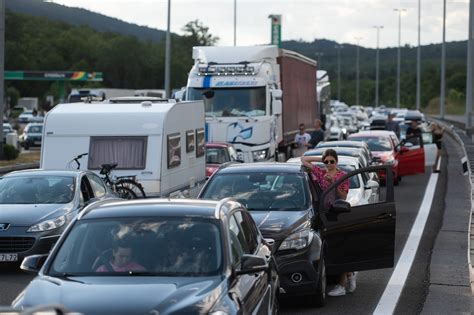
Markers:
{"x": 121, "y": 260}
{"x": 325, "y": 178}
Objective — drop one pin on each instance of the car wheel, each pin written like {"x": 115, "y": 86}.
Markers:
{"x": 320, "y": 294}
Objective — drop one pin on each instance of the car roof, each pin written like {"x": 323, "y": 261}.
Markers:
{"x": 372, "y": 133}
{"x": 355, "y": 152}
{"x": 41, "y": 172}
{"x": 271, "y": 167}
{"x": 343, "y": 143}
{"x": 191, "y": 208}
{"x": 343, "y": 159}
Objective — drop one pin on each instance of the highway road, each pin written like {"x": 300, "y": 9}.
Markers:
{"x": 370, "y": 284}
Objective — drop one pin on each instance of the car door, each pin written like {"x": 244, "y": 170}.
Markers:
{"x": 364, "y": 237}
{"x": 411, "y": 156}
{"x": 248, "y": 289}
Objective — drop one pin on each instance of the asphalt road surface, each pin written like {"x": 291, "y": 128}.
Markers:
{"x": 370, "y": 284}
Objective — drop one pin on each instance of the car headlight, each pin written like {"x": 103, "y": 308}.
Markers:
{"x": 260, "y": 155}
{"x": 389, "y": 161}
{"x": 298, "y": 240}
{"x": 48, "y": 225}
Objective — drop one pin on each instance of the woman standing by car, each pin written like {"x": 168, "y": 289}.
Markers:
{"x": 437, "y": 131}
{"x": 325, "y": 177}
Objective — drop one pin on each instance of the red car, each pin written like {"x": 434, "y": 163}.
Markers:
{"x": 218, "y": 153}
{"x": 405, "y": 158}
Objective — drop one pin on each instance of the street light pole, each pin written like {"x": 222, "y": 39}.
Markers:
{"x": 377, "y": 62}
{"x": 399, "y": 55}
{"x": 418, "y": 61}
{"x": 358, "y": 39}
{"x": 168, "y": 54}
{"x": 470, "y": 69}
{"x": 338, "y": 47}
{"x": 235, "y": 22}
{"x": 443, "y": 65}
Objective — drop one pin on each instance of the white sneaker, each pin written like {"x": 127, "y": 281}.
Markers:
{"x": 351, "y": 281}
{"x": 338, "y": 290}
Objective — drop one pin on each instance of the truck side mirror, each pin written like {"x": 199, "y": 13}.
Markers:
{"x": 277, "y": 107}
{"x": 277, "y": 94}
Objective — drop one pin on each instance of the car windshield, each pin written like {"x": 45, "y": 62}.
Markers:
{"x": 148, "y": 246}
{"x": 36, "y": 189}
{"x": 231, "y": 102}
{"x": 375, "y": 143}
{"x": 217, "y": 155}
{"x": 261, "y": 191}
{"x": 35, "y": 129}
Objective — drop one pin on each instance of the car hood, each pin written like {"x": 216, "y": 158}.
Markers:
{"x": 29, "y": 214}
{"x": 126, "y": 295}
{"x": 279, "y": 224}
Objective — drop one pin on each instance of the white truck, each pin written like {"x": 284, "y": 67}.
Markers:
{"x": 28, "y": 103}
{"x": 255, "y": 97}
{"x": 77, "y": 95}
{"x": 160, "y": 142}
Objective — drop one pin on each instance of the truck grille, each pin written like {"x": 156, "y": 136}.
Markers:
{"x": 16, "y": 244}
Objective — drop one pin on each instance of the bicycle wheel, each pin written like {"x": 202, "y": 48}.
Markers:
{"x": 125, "y": 193}
{"x": 133, "y": 186}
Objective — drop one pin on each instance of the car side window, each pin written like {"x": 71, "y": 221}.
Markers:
{"x": 237, "y": 246}
{"x": 250, "y": 233}
{"x": 97, "y": 185}
{"x": 86, "y": 192}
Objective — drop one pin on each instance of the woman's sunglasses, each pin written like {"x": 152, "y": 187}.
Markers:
{"x": 329, "y": 161}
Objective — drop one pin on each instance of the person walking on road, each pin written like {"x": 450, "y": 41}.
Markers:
{"x": 301, "y": 141}
{"x": 325, "y": 178}
{"x": 317, "y": 135}
{"x": 391, "y": 125}
{"x": 437, "y": 131}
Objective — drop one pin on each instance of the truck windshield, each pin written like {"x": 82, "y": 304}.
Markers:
{"x": 231, "y": 102}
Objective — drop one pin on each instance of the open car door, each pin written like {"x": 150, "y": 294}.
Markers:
{"x": 411, "y": 156}
{"x": 360, "y": 236}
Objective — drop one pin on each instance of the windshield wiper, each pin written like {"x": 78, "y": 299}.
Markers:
{"x": 68, "y": 276}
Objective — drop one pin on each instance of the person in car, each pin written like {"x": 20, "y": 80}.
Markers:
{"x": 325, "y": 178}
{"x": 122, "y": 259}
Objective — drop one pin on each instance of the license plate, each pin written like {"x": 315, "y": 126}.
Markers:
{"x": 8, "y": 257}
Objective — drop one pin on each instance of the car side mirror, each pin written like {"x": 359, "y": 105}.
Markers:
{"x": 371, "y": 184}
{"x": 277, "y": 107}
{"x": 33, "y": 263}
{"x": 340, "y": 206}
{"x": 252, "y": 264}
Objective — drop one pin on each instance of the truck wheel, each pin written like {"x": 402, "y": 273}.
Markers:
{"x": 320, "y": 294}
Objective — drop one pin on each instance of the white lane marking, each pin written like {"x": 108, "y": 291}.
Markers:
{"x": 393, "y": 290}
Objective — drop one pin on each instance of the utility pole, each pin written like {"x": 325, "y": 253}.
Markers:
{"x": 338, "y": 47}
{"x": 377, "y": 64}
{"x": 399, "y": 56}
{"x": 442, "y": 97}
{"x": 470, "y": 69}
{"x": 358, "y": 39}
{"x": 418, "y": 61}
{"x": 2, "y": 67}
{"x": 235, "y": 22}
{"x": 168, "y": 54}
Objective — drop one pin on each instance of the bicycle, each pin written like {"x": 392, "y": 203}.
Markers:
{"x": 126, "y": 187}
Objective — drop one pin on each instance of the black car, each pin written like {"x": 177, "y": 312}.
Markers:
{"x": 157, "y": 257}
{"x": 37, "y": 205}
{"x": 313, "y": 234}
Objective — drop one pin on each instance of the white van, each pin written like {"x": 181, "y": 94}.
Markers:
{"x": 159, "y": 141}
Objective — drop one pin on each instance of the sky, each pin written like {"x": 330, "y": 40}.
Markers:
{"x": 341, "y": 20}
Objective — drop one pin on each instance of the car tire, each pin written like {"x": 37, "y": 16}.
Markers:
{"x": 320, "y": 294}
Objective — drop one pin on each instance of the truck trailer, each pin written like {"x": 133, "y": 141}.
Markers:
{"x": 255, "y": 97}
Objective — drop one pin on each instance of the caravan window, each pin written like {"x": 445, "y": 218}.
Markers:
{"x": 128, "y": 152}
{"x": 190, "y": 141}
{"x": 174, "y": 150}
{"x": 200, "y": 142}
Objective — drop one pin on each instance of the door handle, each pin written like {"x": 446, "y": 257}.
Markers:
{"x": 385, "y": 216}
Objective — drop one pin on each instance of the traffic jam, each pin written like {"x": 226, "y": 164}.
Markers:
{"x": 244, "y": 191}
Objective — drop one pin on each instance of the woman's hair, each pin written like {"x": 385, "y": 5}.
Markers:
{"x": 330, "y": 152}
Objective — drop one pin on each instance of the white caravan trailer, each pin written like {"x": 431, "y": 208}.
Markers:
{"x": 159, "y": 141}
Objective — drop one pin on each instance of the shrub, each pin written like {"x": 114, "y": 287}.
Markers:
{"x": 10, "y": 152}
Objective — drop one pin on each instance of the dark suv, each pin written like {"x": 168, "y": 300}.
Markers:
{"x": 312, "y": 235}
{"x": 157, "y": 256}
